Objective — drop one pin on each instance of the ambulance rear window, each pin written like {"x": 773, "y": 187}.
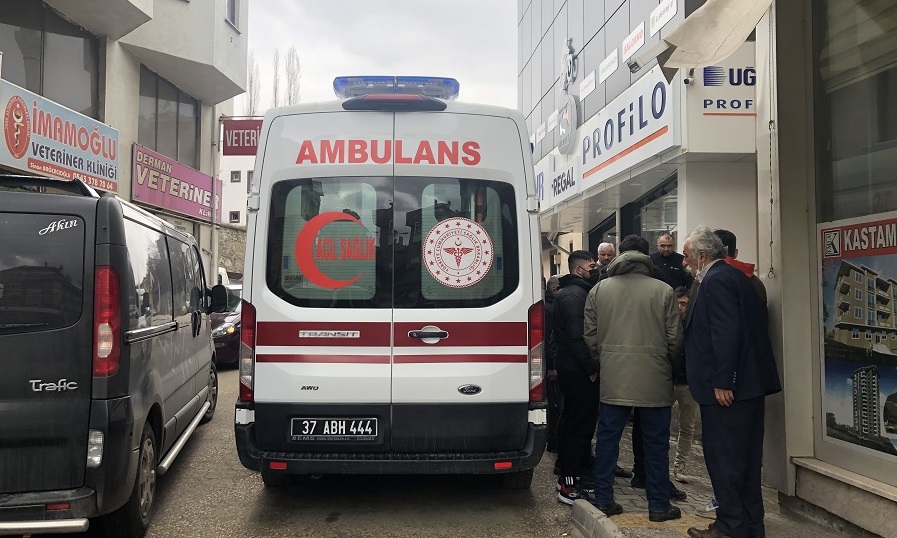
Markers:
{"x": 384, "y": 242}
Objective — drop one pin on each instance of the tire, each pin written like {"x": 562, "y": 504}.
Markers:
{"x": 277, "y": 480}
{"x": 133, "y": 518}
{"x": 518, "y": 480}
{"x": 213, "y": 394}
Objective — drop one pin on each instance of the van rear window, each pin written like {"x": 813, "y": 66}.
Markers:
{"x": 392, "y": 242}
{"x": 41, "y": 271}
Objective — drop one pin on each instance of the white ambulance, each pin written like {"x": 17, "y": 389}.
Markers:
{"x": 392, "y": 308}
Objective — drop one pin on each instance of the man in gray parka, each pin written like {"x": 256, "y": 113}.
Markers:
{"x": 632, "y": 327}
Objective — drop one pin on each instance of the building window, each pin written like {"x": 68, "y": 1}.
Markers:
{"x": 855, "y": 110}
{"x": 857, "y": 293}
{"x": 868, "y": 335}
{"x": 233, "y": 7}
{"x": 169, "y": 119}
{"x": 858, "y": 277}
{"x": 856, "y": 334}
{"x": 44, "y": 53}
{"x": 248, "y": 181}
{"x": 235, "y": 176}
{"x": 234, "y": 217}
{"x": 858, "y": 313}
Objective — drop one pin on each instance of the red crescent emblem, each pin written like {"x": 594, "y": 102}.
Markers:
{"x": 305, "y": 245}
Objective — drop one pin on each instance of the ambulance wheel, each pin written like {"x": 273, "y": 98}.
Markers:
{"x": 518, "y": 480}
{"x": 277, "y": 480}
{"x": 133, "y": 519}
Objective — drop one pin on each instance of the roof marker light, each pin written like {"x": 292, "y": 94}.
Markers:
{"x": 439, "y": 87}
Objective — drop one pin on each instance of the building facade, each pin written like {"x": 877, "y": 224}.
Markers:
{"x": 826, "y": 135}
{"x": 620, "y": 151}
{"x": 813, "y": 200}
{"x": 124, "y": 94}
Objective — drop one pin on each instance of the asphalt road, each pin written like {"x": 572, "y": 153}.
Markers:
{"x": 208, "y": 493}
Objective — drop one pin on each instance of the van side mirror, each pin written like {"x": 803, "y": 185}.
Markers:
{"x": 219, "y": 299}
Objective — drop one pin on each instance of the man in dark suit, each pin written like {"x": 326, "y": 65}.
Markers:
{"x": 731, "y": 370}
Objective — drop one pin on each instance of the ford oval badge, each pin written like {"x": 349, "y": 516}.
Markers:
{"x": 469, "y": 390}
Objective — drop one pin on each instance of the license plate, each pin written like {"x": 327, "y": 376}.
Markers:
{"x": 333, "y": 429}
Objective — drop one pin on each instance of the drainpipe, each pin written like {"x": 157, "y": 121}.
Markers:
{"x": 216, "y": 128}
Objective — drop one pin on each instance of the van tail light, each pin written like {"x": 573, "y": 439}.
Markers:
{"x": 106, "y": 322}
{"x": 536, "y": 319}
{"x": 247, "y": 350}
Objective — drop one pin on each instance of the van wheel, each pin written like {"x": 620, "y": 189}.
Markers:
{"x": 518, "y": 480}
{"x": 133, "y": 519}
{"x": 213, "y": 394}
{"x": 277, "y": 480}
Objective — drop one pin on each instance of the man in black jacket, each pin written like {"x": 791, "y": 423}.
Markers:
{"x": 577, "y": 376}
{"x": 669, "y": 262}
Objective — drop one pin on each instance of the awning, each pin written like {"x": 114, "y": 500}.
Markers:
{"x": 706, "y": 37}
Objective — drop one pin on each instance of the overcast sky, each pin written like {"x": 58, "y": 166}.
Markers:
{"x": 474, "y": 41}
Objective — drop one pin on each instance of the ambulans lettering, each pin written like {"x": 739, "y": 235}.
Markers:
{"x": 441, "y": 152}
{"x": 309, "y": 249}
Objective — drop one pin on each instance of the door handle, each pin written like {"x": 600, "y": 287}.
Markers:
{"x": 427, "y": 334}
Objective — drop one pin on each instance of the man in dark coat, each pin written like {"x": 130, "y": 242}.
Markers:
{"x": 669, "y": 263}
{"x": 731, "y": 369}
{"x": 555, "y": 398}
{"x": 577, "y": 374}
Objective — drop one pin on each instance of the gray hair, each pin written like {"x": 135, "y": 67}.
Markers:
{"x": 611, "y": 245}
{"x": 702, "y": 239}
{"x": 553, "y": 280}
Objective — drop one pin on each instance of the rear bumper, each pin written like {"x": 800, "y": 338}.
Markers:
{"x": 26, "y": 513}
{"x": 391, "y": 463}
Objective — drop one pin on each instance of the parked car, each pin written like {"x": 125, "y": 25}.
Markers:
{"x": 108, "y": 363}
{"x": 226, "y": 328}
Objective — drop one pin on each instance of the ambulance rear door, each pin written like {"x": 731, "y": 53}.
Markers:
{"x": 460, "y": 377}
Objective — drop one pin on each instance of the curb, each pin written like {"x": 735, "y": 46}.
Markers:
{"x": 589, "y": 522}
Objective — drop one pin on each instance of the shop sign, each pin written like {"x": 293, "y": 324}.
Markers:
{"x": 167, "y": 184}
{"x": 634, "y": 41}
{"x": 587, "y": 85}
{"x": 662, "y": 14}
{"x": 859, "y": 337}
{"x": 559, "y": 182}
{"x": 635, "y": 126}
{"x": 567, "y": 123}
{"x": 241, "y": 137}
{"x": 608, "y": 66}
{"x": 46, "y": 138}
{"x": 721, "y": 98}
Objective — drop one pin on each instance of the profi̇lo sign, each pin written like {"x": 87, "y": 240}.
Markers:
{"x": 635, "y": 126}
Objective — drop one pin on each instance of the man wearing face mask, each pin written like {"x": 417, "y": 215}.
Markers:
{"x": 577, "y": 377}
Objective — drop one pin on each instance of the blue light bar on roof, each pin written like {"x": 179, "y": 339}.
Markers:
{"x": 439, "y": 87}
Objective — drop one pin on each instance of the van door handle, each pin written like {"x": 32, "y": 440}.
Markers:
{"x": 427, "y": 334}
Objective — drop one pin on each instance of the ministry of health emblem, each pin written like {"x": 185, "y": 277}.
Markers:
{"x": 458, "y": 252}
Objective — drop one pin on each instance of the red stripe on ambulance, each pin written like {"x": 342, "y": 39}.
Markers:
{"x": 493, "y": 333}
{"x": 443, "y": 152}
{"x": 324, "y": 359}
{"x": 437, "y": 359}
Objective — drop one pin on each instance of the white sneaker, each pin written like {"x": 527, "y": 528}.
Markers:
{"x": 708, "y": 510}
{"x": 681, "y": 477}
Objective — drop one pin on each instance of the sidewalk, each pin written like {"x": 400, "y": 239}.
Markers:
{"x": 634, "y": 521}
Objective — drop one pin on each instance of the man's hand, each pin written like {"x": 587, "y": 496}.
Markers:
{"x": 552, "y": 374}
{"x": 593, "y": 377}
{"x": 724, "y": 397}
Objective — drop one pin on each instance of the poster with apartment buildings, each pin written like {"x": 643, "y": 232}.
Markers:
{"x": 859, "y": 337}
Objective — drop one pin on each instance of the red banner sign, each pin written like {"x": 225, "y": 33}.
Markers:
{"x": 857, "y": 240}
{"x": 241, "y": 137}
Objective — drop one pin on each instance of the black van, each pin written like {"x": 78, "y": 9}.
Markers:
{"x": 107, "y": 356}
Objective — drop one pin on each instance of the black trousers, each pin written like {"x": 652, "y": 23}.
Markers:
{"x": 555, "y": 413}
{"x": 638, "y": 447}
{"x": 733, "y": 452}
{"x": 580, "y": 420}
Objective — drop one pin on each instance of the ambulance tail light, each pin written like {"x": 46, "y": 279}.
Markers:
{"x": 536, "y": 321}
{"x": 107, "y": 322}
{"x": 247, "y": 350}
